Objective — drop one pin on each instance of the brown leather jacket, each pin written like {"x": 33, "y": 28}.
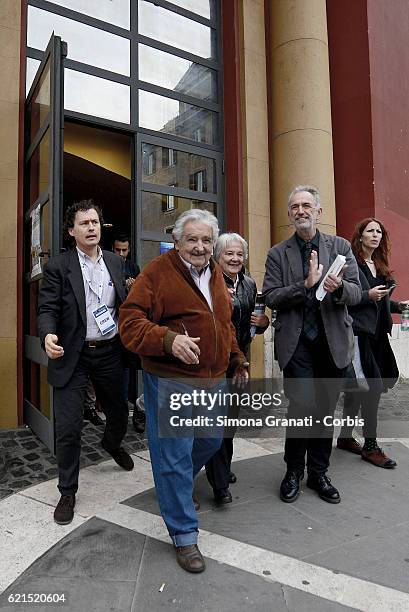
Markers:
{"x": 163, "y": 297}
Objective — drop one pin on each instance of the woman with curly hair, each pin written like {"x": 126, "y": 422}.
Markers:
{"x": 372, "y": 322}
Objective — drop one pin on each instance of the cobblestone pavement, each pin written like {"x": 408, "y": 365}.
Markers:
{"x": 25, "y": 460}
{"x": 395, "y": 403}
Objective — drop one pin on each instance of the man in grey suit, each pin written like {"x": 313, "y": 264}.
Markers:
{"x": 78, "y": 304}
{"x": 313, "y": 342}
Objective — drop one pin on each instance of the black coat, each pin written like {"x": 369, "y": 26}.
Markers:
{"x": 61, "y": 308}
{"x": 365, "y": 314}
{"x": 244, "y": 300}
{"x": 372, "y": 322}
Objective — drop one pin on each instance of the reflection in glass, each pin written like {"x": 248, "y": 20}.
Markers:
{"x": 176, "y": 73}
{"x": 31, "y": 70}
{"x": 160, "y": 211}
{"x": 149, "y": 250}
{"x": 39, "y": 167}
{"x": 39, "y": 390}
{"x": 33, "y": 287}
{"x": 85, "y": 44}
{"x": 115, "y": 12}
{"x": 91, "y": 95}
{"x": 205, "y": 8}
{"x": 45, "y": 231}
{"x": 174, "y": 117}
{"x": 173, "y": 29}
{"x": 40, "y": 102}
{"x": 164, "y": 166}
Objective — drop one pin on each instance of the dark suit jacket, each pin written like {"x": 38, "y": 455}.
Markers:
{"x": 61, "y": 309}
{"x": 131, "y": 270}
{"x": 285, "y": 292}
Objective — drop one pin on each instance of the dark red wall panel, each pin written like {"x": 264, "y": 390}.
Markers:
{"x": 232, "y": 117}
{"x": 351, "y": 112}
{"x": 389, "y": 64}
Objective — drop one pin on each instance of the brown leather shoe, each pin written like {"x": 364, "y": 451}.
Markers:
{"x": 377, "y": 457}
{"x": 64, "y": 512}
{"x": 190, "y": 558}
{"x": 349, "y": 444}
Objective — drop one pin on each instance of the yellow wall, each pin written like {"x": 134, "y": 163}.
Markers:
{"x": 255, "y": 150}
{"x": 10, "y": 23}
{"x": 107, "y": 149}
{"x": 300, "y": 120}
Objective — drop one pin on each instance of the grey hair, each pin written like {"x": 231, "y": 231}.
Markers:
{"x": 199, "y": 215}
{"x": 310, "y": 189}
{"x": 225, "y": 239}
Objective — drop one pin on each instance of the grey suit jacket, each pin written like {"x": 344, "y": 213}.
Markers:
{"x": 285, "y": 292}
{"x": 61, "y": 309}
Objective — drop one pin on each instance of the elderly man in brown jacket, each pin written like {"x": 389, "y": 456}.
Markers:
{"x": 177, "y": 317}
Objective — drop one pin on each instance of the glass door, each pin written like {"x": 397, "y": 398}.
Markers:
{"x": 44, "y": 125}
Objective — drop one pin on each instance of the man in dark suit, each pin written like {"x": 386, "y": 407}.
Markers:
{"x": 122, "y": 248}
{"x": 79, "y": 298}
{"x": 313, "y": 341}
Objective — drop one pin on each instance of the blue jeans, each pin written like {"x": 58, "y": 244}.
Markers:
{"x": 175, "y": 463}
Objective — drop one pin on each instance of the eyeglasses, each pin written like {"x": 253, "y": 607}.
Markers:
{"x": 303, "y": 206}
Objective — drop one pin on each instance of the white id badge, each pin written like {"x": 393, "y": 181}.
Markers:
{"x": 103, "y": 319}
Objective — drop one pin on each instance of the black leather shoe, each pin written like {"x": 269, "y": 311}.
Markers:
{"x": 64, "y": 512}
{"x": 120, "y": 456}
{"x": 91, "y": 415}
{"x": 290, "y": 486}
{"x": 222, "y": 496}
{"x": 138, "y": 421}
{"x": 190, "y": 558}
{"x": 232, "y": 478}
{"x": 322, "y": 485}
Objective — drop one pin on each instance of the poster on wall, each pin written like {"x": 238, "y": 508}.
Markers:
{"x": 165, "y": 246}
{"x": 35, "y": 242}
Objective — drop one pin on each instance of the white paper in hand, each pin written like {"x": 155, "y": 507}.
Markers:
{"x": 336, "y": 267}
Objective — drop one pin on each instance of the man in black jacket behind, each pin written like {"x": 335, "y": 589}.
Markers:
{"x": 79, "y": 298}
{"x": 122, "y": 247}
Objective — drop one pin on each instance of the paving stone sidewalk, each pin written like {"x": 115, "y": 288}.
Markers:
{"x": 25, "y": 460}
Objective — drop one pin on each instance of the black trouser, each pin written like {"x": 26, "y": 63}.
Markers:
{"x": 103, "y": 366}
{"x": 368, "y": 402}
{"x": 312, "y": 384}
{"x": 218, "y": 467}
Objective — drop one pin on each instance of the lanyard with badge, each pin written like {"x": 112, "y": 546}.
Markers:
{"x": 101, "y": 313}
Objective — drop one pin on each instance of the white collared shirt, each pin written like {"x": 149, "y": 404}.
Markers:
{"x": 99, "y": 289}
{"x": 201, "y": 280}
